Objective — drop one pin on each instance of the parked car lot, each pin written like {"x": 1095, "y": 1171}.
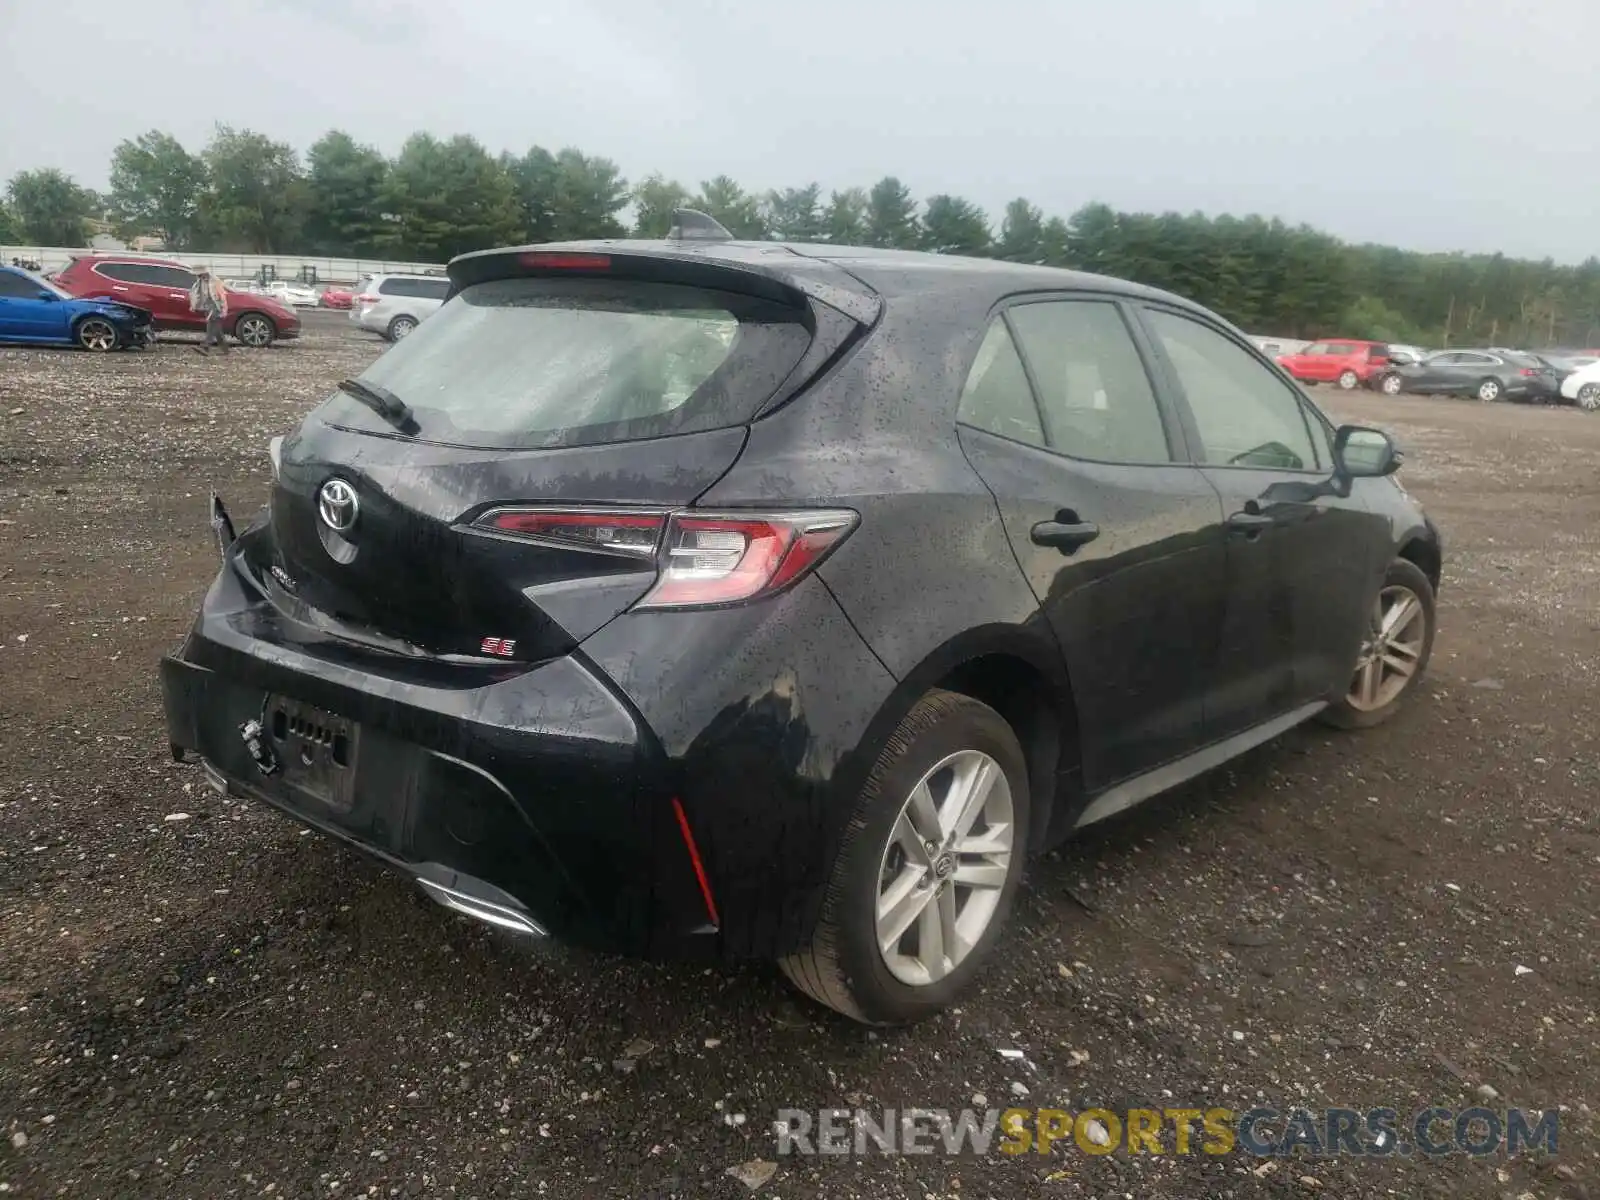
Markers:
{"x": 162, "y": 286}
{"x": 1356, "y": 908}
{"x": 32, "y": 309}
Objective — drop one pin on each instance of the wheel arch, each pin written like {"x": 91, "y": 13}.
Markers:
{"x": 1018, "y": 672}
{"x": 1423, "y": 553}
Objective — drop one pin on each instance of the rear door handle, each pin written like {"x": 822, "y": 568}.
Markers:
{"x": 1249, "y": 523}
{"x": 114, "y": 288}
{"x": 1065, "y": 535}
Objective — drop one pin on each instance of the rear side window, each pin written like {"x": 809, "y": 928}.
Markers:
{"x": 427, "y": 289}
{"x": 1377, "y": 353}
{"x": 19, "y": 286}
{"x": 535, "y": 363}
{"x": 127, "y": 272}
{"x": 997, "y": 397}
{"x": 1097, "y": 400}
{"x": 1341, "y": 348}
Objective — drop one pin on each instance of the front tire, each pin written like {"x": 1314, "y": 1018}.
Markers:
{"x": 255, "y": 330}
{"x": 1394, "y": 655}
{"x": 1348, "y": 380}
{"x": 928, "y": 869}
{"x": 97, "y": 335}
{"x": 1589, "y": 397}
{"x": 1489, "y": 390}
{"x": 1391, "y": 385}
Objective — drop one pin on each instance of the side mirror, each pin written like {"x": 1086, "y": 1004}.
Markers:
{"x": 48, "y": 296}
{"x": 1400, "y": 358}
{"x": 1360, "y": 452}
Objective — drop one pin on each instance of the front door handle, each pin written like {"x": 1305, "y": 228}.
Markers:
{"x": 1066, "y": 533}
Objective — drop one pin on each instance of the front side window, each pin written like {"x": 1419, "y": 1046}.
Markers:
{"x": 997, "y": 397}
{"x": 1245, "y": 415}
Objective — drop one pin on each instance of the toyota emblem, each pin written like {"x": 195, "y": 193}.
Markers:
{"x": 337, "y": 505}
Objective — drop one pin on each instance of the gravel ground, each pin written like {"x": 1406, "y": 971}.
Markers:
{"x": 200, "y": 1001}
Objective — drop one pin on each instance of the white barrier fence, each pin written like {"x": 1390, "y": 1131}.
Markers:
{"x": 230, "y": 266}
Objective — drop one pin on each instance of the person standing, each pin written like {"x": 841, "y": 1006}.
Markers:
{"x": 209, "y": 297}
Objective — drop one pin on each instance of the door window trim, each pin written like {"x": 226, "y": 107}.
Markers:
{"x": 1177, "y": 442}
{"x": 1180, "y": 399}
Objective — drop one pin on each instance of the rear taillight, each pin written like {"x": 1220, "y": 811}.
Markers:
{"x": 702, "y": 559}
{"x": 727, "y": 558}
{"x": 1531, "y": 371}
{"x": 632, "y": 533}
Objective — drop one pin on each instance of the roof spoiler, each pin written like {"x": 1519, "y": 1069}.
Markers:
{"x": 692, "y": 225}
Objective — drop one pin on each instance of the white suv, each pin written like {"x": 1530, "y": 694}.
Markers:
{"x": 394, "y": 305}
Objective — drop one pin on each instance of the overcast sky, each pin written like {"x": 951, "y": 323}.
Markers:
{"x": 1440, "y": 124}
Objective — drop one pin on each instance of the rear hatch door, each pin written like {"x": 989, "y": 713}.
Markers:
{"x": 551, "y": 420}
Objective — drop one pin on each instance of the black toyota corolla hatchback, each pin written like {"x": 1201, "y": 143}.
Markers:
{"x": 707, "y": 598}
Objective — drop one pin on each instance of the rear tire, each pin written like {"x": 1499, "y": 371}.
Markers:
{"x": 1589, "y": 397}
{"x": 400, "y": 327}
{"x": 1398, "y": 656}
{"x": 256, "y": 330}
{"x": 1348, "y": 380}
{"x": 885, "y": 871}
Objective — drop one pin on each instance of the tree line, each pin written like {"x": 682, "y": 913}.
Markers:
{"x": 246, "y": 193}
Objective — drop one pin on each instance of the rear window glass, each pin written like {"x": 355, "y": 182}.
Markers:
{"x": 535, "y": 363}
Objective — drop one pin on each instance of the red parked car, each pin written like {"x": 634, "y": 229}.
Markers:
{"x": 162, "y": 286}
{"x": 337, "y": 298}
{"x": 1347, "y": 363}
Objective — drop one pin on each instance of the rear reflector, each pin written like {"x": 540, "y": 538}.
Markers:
{"x": 694, "y": 861}
{"x": 367, "y": 299}
{"x": 727, "y": 558}
{"x": 561, "y": 260}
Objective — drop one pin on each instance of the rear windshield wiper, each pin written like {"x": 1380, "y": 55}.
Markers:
{"x": 381, "y": 401}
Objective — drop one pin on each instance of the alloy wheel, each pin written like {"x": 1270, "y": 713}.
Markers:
{"x": 1392, "y": 649}
{"x": 1348, "y": 380}
{"x": 1489, "y": 389}
{"x": 254, "y": 331}
{"x": 1391, "y": 385}
{"x": 1589, "y": 397}
{"x": 402, "y": 327}
{"x": 97, "y": 335}
{"x": 944, "y": 867}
